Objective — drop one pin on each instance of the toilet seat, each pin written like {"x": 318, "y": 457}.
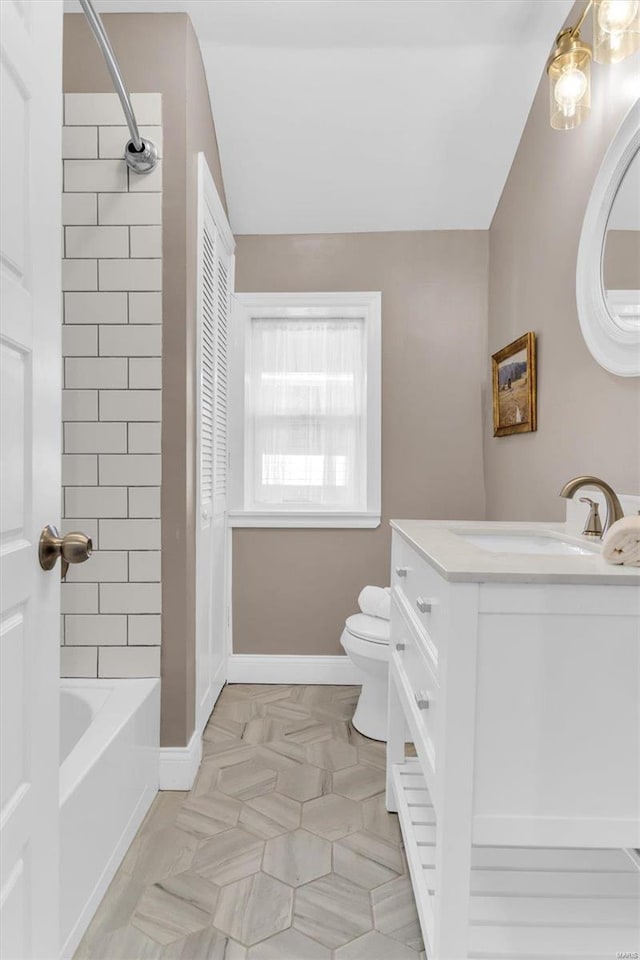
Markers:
{"x": 371, "y": 629}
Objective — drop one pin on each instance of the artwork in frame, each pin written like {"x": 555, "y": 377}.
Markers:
{"x": 514, "y": 387}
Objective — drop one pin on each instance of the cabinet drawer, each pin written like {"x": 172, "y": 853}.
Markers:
{"x": 422, "y": 593}
{"x": 419, "y": 681}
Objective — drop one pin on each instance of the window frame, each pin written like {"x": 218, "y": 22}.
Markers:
{"x": 249, "y": 306}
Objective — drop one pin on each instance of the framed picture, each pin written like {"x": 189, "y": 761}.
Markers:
{"x": 514, "y": 387}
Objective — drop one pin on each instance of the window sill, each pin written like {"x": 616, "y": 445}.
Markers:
{"x": 298, "y": 519}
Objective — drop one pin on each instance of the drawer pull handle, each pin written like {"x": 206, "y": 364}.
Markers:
{"x": 422, "y": 700}
{"x": 400, "y": 647}
{"x": 401, "y": 571}
{"x": 424, "y": 606}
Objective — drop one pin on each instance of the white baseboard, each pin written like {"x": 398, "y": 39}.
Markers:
{"x": 179, "y": 765}
{"x": 251, "y": 668}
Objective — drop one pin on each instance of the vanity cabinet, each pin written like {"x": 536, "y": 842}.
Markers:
{"x": 520, "y": 811}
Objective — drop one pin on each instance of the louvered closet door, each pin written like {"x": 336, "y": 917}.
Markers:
{"x": 220, "y": 450}
{"x": 215, "y": 277}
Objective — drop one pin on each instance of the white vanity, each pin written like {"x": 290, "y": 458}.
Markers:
{"x": 515, "y": 671}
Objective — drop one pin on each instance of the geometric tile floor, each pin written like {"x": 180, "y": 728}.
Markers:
{"x": 283, "y": 849}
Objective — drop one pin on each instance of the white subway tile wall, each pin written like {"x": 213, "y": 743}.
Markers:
{"x": 79, "y": 208}
{"x": 79, "y": 662}
{"x": 112, "y": 400}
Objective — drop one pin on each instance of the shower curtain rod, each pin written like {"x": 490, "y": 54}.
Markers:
{"x": 140, "y": 154}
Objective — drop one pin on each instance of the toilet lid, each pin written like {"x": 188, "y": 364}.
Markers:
{"x": 374, "y": 629}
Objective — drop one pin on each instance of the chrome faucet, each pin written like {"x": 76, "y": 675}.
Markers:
{"x": 614, "y": 507}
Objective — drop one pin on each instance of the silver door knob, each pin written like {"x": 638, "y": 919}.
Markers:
{"x": 422, "y": 700}
{"x": 400, "y": 647}
{"x": 401, "y": 571}
{"x": 72, "y": 548}
{"x": 424, "y": 606}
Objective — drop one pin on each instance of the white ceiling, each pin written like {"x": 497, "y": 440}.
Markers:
{"x": 364, "y": 115}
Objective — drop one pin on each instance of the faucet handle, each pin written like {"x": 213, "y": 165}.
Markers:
{"x": 593, "y": 526}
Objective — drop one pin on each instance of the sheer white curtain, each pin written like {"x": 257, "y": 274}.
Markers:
{"x": 306, "y": 403}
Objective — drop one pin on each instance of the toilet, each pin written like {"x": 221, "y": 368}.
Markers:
{"x": 366, "y": 641}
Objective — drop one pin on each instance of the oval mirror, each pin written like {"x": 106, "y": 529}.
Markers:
{"x": 621, "y": 251}
{"x": 608, "y": 269}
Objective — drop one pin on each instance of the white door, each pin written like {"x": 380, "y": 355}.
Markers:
{"x": 215, "y": 283}
{"x": 30, "y": 330}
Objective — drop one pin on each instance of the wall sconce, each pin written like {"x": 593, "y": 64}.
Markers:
{"x": 570, "y": 81}
{"x": 616, "y": 32}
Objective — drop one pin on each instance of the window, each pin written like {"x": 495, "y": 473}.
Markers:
{"x": 307, "y": 388}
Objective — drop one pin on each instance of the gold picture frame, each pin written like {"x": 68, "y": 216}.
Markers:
{"x": 514, "y": 387}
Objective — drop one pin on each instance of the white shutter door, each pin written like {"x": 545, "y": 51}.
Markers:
{"x": 221, "y": 382}
{"x": 215, "y": 275}
{"x": 207, "y": 367}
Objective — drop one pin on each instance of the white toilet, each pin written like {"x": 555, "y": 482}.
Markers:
{"x": 366, "y": 641}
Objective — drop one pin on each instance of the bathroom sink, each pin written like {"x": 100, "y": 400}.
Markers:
{"x": 525, "y": 543}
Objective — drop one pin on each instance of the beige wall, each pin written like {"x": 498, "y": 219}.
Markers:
{"x": 588, "y": 419}
{"x": 159, "y": 52}
{"x": 293, "y": 589}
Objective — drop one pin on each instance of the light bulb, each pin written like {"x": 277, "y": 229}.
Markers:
{"x": 614, "y": 16}
{"x": 569, "y": 90}
{"x": 616, "y": 32}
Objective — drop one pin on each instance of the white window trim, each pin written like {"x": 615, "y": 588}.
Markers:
{"x": 250, "y": 305}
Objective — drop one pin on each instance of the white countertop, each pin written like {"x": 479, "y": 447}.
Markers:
{"x": 456, "y": 559}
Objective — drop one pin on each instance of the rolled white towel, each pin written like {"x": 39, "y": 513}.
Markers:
{"x": 622, "y": 542}
{"x": 376, "y": 602}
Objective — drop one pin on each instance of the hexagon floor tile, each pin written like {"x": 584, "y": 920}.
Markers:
{"x": 209, "y": 944}
{"x": 395, "y": 914}
{"x": 228, "y": 857}
{"x": 367, "y": 860}
{"x": 375, "y": 946}
{"x": 254, "y": 908}
{"x": 297, "y": 857}
{"x": 283, "y": 849}
{"x": 360, "y": 782}
{"x": 270, "y": 815}
{"x": 289, "y": 945}
{"x": 332, "y": 910}
{"x": 246, "y": 780}
{"x": 312, "y": 731}
{"x": 208, "y": 815}
{"x": 379, "y": 821}
{"x": 332, "y": 754}
{"x": 165, "y": 918}
{"x": 332, "y": 816}
{"x": 193, "y": 889}
{"x": 120, "y": 944}
{"x": 156, "y": 855}
{"x": 304, "y": 782}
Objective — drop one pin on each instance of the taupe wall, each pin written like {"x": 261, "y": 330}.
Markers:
{"x": 588, "y": 419}
{"x": 159, "y": 52}
{"x": 293, "y": 589}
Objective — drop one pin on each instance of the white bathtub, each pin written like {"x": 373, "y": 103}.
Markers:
{"x": 109, "y": 738}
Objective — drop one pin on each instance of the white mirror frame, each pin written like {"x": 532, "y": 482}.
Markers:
{"x": 615, "y": 349}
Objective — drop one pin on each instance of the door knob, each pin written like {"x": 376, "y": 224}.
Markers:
{"x": 72, "y": 548}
